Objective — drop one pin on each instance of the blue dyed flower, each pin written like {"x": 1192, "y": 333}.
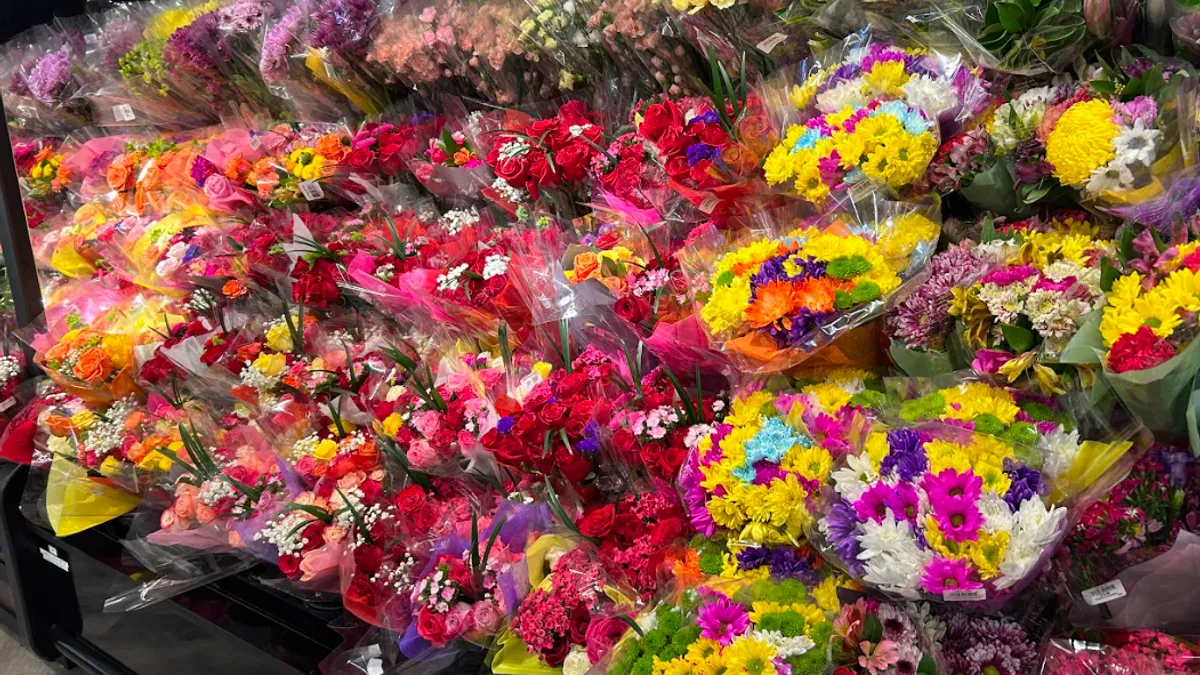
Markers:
{"x": 700, "y": 151}
{"x": 505, "y": 424}
{"x": 808, "y": 140}
{"x": 914, "y": 122}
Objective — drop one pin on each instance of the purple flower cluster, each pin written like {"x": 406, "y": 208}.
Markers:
{"x": 840, "y": 527}
{"x": 192, "y": 48}
{"x": 784, "y": 561}
{"x": 1026, "y": 483}
{"x": 50, "y": 77}
{"x": 243, "y": 16}
{"x": 279, "y": 39}
{"x": 906, "y": 455}
{"x": 923, "y": 320}
{"x": 343, "y": 27}
{"x": 977, "y": 645}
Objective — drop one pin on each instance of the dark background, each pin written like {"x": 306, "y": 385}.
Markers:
{"x": 17, "y": 15}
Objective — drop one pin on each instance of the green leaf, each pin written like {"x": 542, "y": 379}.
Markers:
{"x": 358, "y": 520}
{"x": 683, "y": 394}
{"x": 632, "y": 624}
{"x": 1108, "y": 274}
{"x": 872, "y": 629}
{"x": 314, "y": 511}
{"x": 988, "y": 233}
{"x": 487, "y": 550}
{"x": 1125, "y": 245}
{"x": 1020, "y": 339}
{"x": 1010, "y": 16}
{"x": 926, "y": 666}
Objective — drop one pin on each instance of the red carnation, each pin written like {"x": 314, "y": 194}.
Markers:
{"x": 1139, "y": 351}
{"x": 156, "y": 369}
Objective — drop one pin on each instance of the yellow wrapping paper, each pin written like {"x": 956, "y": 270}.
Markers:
{"x": 76, "y": 501}
{"x": 1093, "y": 460}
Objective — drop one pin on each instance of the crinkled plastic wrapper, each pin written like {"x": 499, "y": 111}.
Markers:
{"x": 1160, "y": 396}
{"x": 773, "y": 296}
{"x": 1116, "y": 652}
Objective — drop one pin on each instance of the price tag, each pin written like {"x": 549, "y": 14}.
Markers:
{"x": 123, "y": 112}
{"x": 50, "y": 555}
{"x": 1098, "y": 595}
{"x": 311, "y": 190}
{"x": 709, "y": 205}
{"x": 375, "y": 667}
{"x": 255, "y": 142}
{"x": 770, "y": 43}
{"x": 7, "y": 403}
{"x": 91, "y": 39}
{"x": 965, "y": 595}
{"x": 374, "y": 650}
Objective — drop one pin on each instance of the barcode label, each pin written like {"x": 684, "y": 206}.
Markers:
{"x": 709, "y": 205}
{"x": 7, "y": 403}
{"x": 51, "y": 556}
{"x": 124, "y": 113}
{"x": 1098, "y": 595}
{"x": 770, "y": 43}
{"x": 255, "y": 142}
{"x": 965, "y": 595}
{"x": 311, "y": 190}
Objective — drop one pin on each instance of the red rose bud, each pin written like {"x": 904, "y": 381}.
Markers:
{"x": 632, "y": 308}
{"x": 598, "y": 522}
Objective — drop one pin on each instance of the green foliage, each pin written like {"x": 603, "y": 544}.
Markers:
{"x": 711, "y": 562}
{"x": 988, "y": 423}
{"x": 1021, "y": 432}
{"x": 1032, "y": 33}
{"x": 644, "y": 665}
{"x": 868, "y": 399}
{"x": 927, "y": 407}
{"x": 842, "y": 300}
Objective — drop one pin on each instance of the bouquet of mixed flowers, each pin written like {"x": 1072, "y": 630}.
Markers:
{"x": 952, "y": 515}
{"x": 761, "y": 626}
{"x": 1024, "y": 312}
{"x": 872, "y": 637}
{"x": 771, "y": 302}
{"x": 872, "y": 118}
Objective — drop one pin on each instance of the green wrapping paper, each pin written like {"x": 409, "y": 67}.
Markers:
{"x": 1159, "y": 396}
{"x": 992, "y": 190}
{"x": 1086, "y": 346}
{"x": 917, "y": 363}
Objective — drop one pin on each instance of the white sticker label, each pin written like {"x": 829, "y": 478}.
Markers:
{"x": 374, "y": 650}
{"x": 51, "y": 556}
{"x": 965, "y": 595}
{"x": 709, "y": 205}
{"x": 770, "y": 43}
{"x": 374, "y": 667}
{"x": 1098, "y": 595}
{"x": 311, "y": 190}
{"x": 124, "y": 113}
{"x": 7, "y": 403}
{"x": 91, "y": 39}
{"x": 255, "y": 142}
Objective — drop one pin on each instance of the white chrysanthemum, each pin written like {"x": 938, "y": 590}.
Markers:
{"x": 784, "y": 646}
{"x": 852, "y": 480}
{"x": 891, "y": 558}
{"x": 1060, "y": 449}
{"x": 997, "y": 516}
{"x": 1112, "y": 176}
{"x": 1136, "y": 144}
{"x": 577, "y": 662}
{"x": 848, "y": 93}
{"x": 998, "y": 250}
{"x": 1006, "y": 303}
{"x": 933, "y": 96}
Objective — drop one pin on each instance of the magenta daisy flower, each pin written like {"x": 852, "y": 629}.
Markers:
{"x": 873, "y": 504}
{"x": 722, "y": 620}
{"x": 944, "y": 574}
{"x": 904, "y": 502}
{"x": 950, "y": 484}
{"x": 958, "y": 518}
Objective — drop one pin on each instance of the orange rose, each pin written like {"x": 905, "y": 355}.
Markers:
{"x": 44, "y": 153}
{"x": 233, "y": 289}
{"x": 331, "y": 146}
{"x": 616, "y": 285}
{"x": 59, "y": 425}
{"x": 462, "y": 156}
{"x": 94, "y": 366}
{"x": 58, "y": 352}
{"x": 118, "y": 177}
{"x": 205, "y": 514}
{"x": 587, "y": 265}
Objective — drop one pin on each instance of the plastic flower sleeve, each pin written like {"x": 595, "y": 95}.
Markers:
{"x": 44, "y": 79}
{"x": 1088, "y": 651}
{"x": 771, "y": 297}
{"x": 989, "y": 513}
{"x": 1048, "y": 41}
{"x": 284, "y": 64}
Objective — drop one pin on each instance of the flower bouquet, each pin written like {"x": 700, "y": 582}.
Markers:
{"x": 771, "y": 302}
{"x": 752, "y": 475}
{"x": 943, "y": 513}
{"x": 1150, "y": 356}
{"x": 871, "y": 119}
{"x": 568, "y": 616}
{"x": 872, "y": 637}
{"x": 45, "y": 82}
{"x": 921, "y": 327}
{"x": 1145, "y": 652}
{"x": 89, "y": 354}
{"x": 1022, "y": 315}
{"x": 743, "y": 626}
{"x": 471, "y": 584}
{"x": 297, "y": 73}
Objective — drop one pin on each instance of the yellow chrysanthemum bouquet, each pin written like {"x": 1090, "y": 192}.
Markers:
{"x": 771, "y": 297}
{"x": 870, "y": 119}
{"x": 1150, "y": 354}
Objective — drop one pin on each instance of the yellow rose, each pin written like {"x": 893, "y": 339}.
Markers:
{"x": 543, "y": 369}
{"x": 391, "y": 425}
{"x": 155, "y": 461}
{"x": 325, "y": 450}
{"x": 279, "y": 338}
{"x": 83, "y": 420}
{"x": 270, "y": 364}
{"x": 110, "y": 466}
